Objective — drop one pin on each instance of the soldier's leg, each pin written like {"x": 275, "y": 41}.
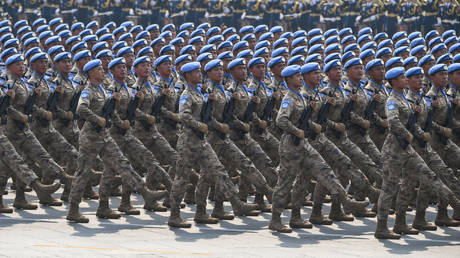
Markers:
{"x": 299, "y": 191}
{"x": 449, "y": 153}
{"x": 405, "y": 195}
{"x": 423, "y": 199}
{"x": 270, "y": 145}
{"x": 59, "y": 147}
{"x": 367, "y": 146}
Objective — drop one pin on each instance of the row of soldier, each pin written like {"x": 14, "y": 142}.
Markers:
{"x": 412, "y": 15}
{"x": 280, "y": 114}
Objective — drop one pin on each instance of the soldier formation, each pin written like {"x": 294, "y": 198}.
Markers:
{"x": 295, "y": 117}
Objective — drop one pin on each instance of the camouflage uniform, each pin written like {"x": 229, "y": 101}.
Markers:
{"x": 130, "y": 78}
{"x": 80, "y": 79}
{"x": 280, "y": 87}
{"x": 454, "y": 93}
{"x": 166, "y": 125}
{"x": 377, "y": 132}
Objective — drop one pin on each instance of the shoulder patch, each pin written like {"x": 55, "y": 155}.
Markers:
{"x": 85, "y": 94}
{"x": 285, "y": 103}
{"x": 183, "y": 99}
{"x": 391, "y": 105}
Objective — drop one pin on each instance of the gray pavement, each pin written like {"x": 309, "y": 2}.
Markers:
{"x": 45, "y": 233}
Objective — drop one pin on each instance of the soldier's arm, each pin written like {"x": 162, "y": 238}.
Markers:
{"x": 15, "y": 107}
{"x": 395, "y": 124}
{"x": 84, "y": 109}
{"x": 282, "y": 120}
{"x": 185, "y": 111}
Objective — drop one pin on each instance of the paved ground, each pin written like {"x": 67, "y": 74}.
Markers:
{"x": 45, "y": 233}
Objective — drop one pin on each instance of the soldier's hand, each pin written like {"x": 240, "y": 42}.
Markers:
{"x": 313, "y": 105}
{"x": 245, "y": 127}
{"x": 339, "y": 127}
{"x": 384, "y": 123}
{"x": 224, "y": 128}
{"x": 59, "y": 89}
{"x": 455, "y": 101}
{"x": 11, "y": 93}
{"x": 48, "y": 115}
{"x": 426, "y": 137}
{"x": 125, "y": 124}
{"x": 435, "y": 103}
{"x": 299, "y": 134}
{"x": 101, "y": 122}
{"x": 212, "y": 96}
{"x": 447, "y": 132}
{"x": 263, "y": 124}
{"x": 38, "y": 91}
{"x": 276, "y": 95}
{"x": 150, "y": 119}
{"x": 377, "y": 97}
{"x": 365, "y": 124}
{"x": 354, "y": 97}
{"x": 409, "y": 137}
{"x": 203, "y": 128}
{"x": 175, "y": 117}
{"x": 317, "y": 128}
{"x": 69, "y": 115}
{"x": 82, "y": 87}
{"x": 24, "y": 119}
{"x": 116, "y": 96}
{"x": 417, "y": 109}
{"x": 165, "y": 92}
{"x": 236, "y": 96}
{"x": 140, "y": 95}
{"x": 256, "y": 99}
{"x": 331, "y": 101}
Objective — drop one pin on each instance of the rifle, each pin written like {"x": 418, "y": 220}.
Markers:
{"x": 322, "y": 114}
{"x": 4, "y": 103}
{"x": 206, "y": 113}
{"x": 345, "y": 114}
{"x": 267, "y": 111}
{"x": 449, "y": 118}
{"x": 74, "y": 104}
{"x": 411, "y": 126}
{"x": 248, "y": 113}
{"x": 227, "y": 115}
{"x": 302, "y": 124}
{"x": 369, "y": 112}
{"x": 107, "y": 111}
{"x": 429, "y": 118}
{"x": 156, "y": 108}
{"x": 131, "y": 111}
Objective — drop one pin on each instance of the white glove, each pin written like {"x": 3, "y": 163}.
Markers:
{"x": 152, "y": 2}
{"x": 296, "y": 15}
{"x": 321, "y": 19}
{"x": 399, "y": 20}
{"x": 373, "y": 18}
{"x": 37, "y": 12}
{"x": 227, "y": 10}
{"x": 9, "y": 1}
{"x": 358, "y": 18}
{"x": 20, "y": 10}
{"x": 187, "y": 4}
{"x": 258, "y": 17}
{"x": 131, "y": 12}
{"x": 95, "y": 13}
{"x": 81, "y": 1}
{"x": 181, "y": 13}
{"x": 281, "y": 16}
{"x": 243, "y": 16}
{"x": 206, "y": 15}
{"x": 438, "y": 21}
{"x": 145, "y": 12}
{"x": 116, "y": 1}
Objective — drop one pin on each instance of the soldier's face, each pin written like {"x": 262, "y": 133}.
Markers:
{"x": 105, "y": 62}
{"x": 377, "y": 73}
{"x": 17, "y": 68}
{"x": 415, "y": 82}
{"x": 194, "y": 77}
{"x": 40, "y": 66}
{"x": 439, "y": 79}
{"x": 239, "y": 72}
{"x": 216, "y": 74}
{"x": 129, "y": 57}
{"x": 294, "y": 81}
{"x": 258, "y": 71}
{"x": 312, "y": 78}
{"x": 81, "y": 63}
{"x": 97, "y": 74}
{"x": 165, "y": 69}
{"x": 64, "y": 66}
{"x": 143, "y": 70}
{"x": 400, "y": 82}
{"x": 455, "y": 78}
{"x": 335, "y": 74}
{"x": 119, "y": 71}
{"x": 276, "y": 70}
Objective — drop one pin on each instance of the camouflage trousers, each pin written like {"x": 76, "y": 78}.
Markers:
{"x": 450, "y": 152}
{"x": 303, "y": 161}
{"x": 92, "y": 144}
{"x": 377, "y": 137}
{"x": 194, "y": 152}
{"x": 139, "y": 156}
{"x": 169, "y": 132}
{"x": 363, "y": 161}
{"x": 365, "y": 143}
{"x": 269, "y": 144}
{"x": 401, "y": 164}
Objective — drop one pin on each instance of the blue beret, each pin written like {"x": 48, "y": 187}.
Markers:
{"x": 314, "y": 32}
{"x": 142, "y": 35}
{"x": 367, "y": 53}
{"x": 38, "y": 56}
{"x": 316, "y": 40}
{"x": 444, "y": 58}
{"x": 236, "y": 62}
{"x": 369, "y": 45}
{"x": 65, "y": 34}
{"x": 127, "y": 24}
{"x": 438, "y": 48}
{"x": 351, "y": 47}
{"x": 119, "y": 30}
{"x": 62, "y": 27}
{"x": 286, "y": 35}
{"x": 224, "y": 45}
{"x": 5, "y": 22}
{"x": 410, "y": 60}
{"x": 456, "y": 58}
{"x": 451, "y": 40}
{"x": 310, "y": 67}
{"x": 204, "y": 26}
{"x": 182, "y": 58}
{"x": 394, "y": 61}
{"x": 333, "y": 47}
{"x": 353, "y": 62}
{"x": 116, "y": 61}
{"x": 183, "y": 34}
{"x": 55, "y": 21}
{"x": 275, "y": 61}
{"x": 167, "y": 48}
{"x": 158, "y": 40}
{"x": 189, "y": 67}
{"x": 434, "y": 41}
{"x": 266, "y": 36}
{"x": 365, "y": 30}
{"x": 448, "y": 33}
{"x": 417, "y": 50}
{"x": 280, "y": 51}
{"x": 78, "y": 46}
{"x": 226, "y": 54}
{"x": 110, "y": 25}
{"x": 416, "y": 42}
{"x": 261, "y": 28}
{"x": 331, "y": 57}
{"x": 118, "y": 45}
{"x": 144, "y": 51}
{"x": 382, "y": 52}
{"x": 402, "y": 42}
{"x": 276, "y": 29}
{"x": 24, "y": 29}
{"x": 365, "y": 37}
{"x": 169, "y": 27}
{"x": 454, "y": 47}
{"x": 233, "y": 38}
{"x": 27, "y": 36}
{"x": 177, "y": 40}
{"x": 204, "y": 57}
{"x": 7, "y": 37}
{"x": 81, "y": 54}
{"x": 140, "y": 43}
{"x": 53, "y": 39}
{"x": 453, "y": 67}
{"x": 229, "y": 30}
{"x": 5, "y": 30}
{"x": 102, "y": 31}
{"x": 330, "y": 32}
{"x": 261, "y": 44}
{"x": 13, "y": 59}
{"x": 56, "y": 49}
{"x": 100, "y": 45}
{"x": 92, "y": 24}
{"x": 313, "y": 58}
{"x": 348, "y": 55}
{"x": 300, "y": 33}
{"x": 77, "y": 26}
{"x": 380, "y": 36}
{"x": 124, "y": 51}
{"x": 143, "y": 59}
{"x": 62, "y": 56}
{"x": 10, "y": 43}
{"x": 42, "y": 28}
{"x": 426, "y": 59}
{"x": 298, "y": 41}
{"x": 345, "y": 31}
{"x": 20, "y": 23}
{"x": 415, "y": 34}
{"x": 400, "y": 50}
{"x": 72, "y": 39}
{"x": 207, "y": 48}
{"x": 187, "y": 49}
{"x": 29, "y": 53}
{"x": 32, "y": 40}
{"x": 137, "y": 28}
{"x": 431, "y": 34}
{"x": 241, "y": 44}
{"x": 197, "y": 39}
{"x": 245, "y": 53}
{"x": 295, "y": 59}
{"x": 213, "y": 30}
{"x": 280, "y": 42}
{"x": 215, "y": 39}
{"x": 398, "y": 35}
{"x": 39, "y": 21}
{"x": 197, "y": 32}
{"x": 125, "y": 36}
{"x": 162, "y": 59}
{"x": 437, "y": 68}
{"x": 299, "y": 51}
{"x": 212, "y": 64}
{"x": 315, "y": 48}
{"x": 44, "y": 34}
{"x": 104, "y": 53}
{"x": 348, "y": 38}
{"x": 256, "y": 61}
{"x": 385, "y": 43}
{"x": 332, "y": 64}
{"x": 374, "y": 63}
{"x": 394, "y": 73}
{"x": 186, "y": 26}
{"x": 290, "y": 70}
{"x": 261, "y": 51}
{"x": 247, "y": 28}
{"x": 85, "y": 33}
{"x": 414, "y": 71}
{"x": 152, "y": 27}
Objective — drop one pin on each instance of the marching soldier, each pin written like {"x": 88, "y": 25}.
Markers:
{"x": 409, "y": 15}
{"x": 331, "y": 14}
